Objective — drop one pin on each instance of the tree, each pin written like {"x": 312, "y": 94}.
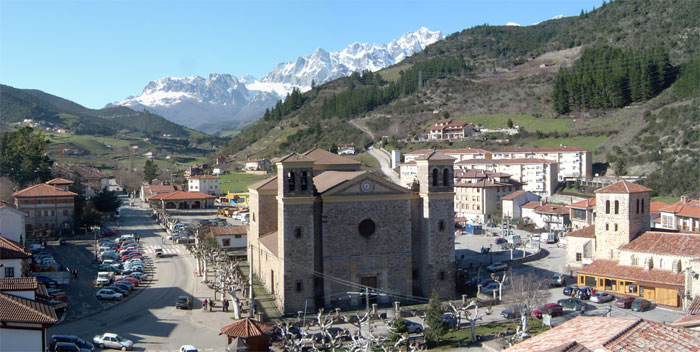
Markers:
{"x": 7, "y": 189}
{"x": 399, "y": 328}
{"x": 436, "y": 326}
{"x": 90, "y": 216}
{"x": 526, "y": 293}
{"x": 106, "y": 201}
{"x": 22, "y": 156}
{"x": 333, "y": 149}
{"x": 150, "y": 171}
{"x": 510, "y": 123}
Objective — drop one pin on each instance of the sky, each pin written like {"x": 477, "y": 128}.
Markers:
{"x": 101, "y": 51}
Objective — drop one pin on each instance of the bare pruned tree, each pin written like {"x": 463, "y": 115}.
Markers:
{"x": 7, "y": 189}
{"x": 527, "y": 292}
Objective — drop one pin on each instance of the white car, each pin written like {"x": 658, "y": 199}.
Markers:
{"x": 106, "y": 293}
{"x": 110, "y": 340}
{"x": 188, "y": 348}
{"x": 490, "y": 288}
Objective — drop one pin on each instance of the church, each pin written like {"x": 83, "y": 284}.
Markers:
{"x": 322, "y": 232}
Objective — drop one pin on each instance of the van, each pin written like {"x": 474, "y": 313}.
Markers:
{"x": 127, "y": 237}
{"x": 514, "y": 240}
{"x": 104, "y": 278}
{"x": 548, "y": 238}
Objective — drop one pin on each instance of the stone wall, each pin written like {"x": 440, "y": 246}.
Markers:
{"x": 629, "y": 223}
{"x": 578, "y": 245}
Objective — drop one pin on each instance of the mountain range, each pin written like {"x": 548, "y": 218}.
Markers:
{"x": 223, "y": 99}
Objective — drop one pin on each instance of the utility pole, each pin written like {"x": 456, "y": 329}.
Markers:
{"x": 367, "y": 298}
{"x": 250, "y": 279}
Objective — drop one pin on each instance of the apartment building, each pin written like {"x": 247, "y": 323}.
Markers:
{"x": 538, "y": 176}
{"x": 478, "y": 194}
{"x": 206, "y": 184}
{"x": 573, "y": 162}
{"x": 458, "y": 154}
{"x": 49, "y": 206}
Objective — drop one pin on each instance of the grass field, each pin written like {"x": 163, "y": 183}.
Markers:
{"x": 586, "y": 142}
{"x": 666, "y": 199}
{"x": 239, "y": 182}
{"x": 529, "y": 122}
{"x": 460, "y": 338}
{"x": 392, "y": 74}
{"x": 368, "y": 161}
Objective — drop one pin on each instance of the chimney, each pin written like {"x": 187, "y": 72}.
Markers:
{"x": 684, "y": 200}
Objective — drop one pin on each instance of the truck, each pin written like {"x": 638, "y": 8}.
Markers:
{"x": 473, "y": 229}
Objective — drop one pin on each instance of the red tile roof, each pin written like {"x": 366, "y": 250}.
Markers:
{"x": 246, "y": 327}
{"x": 531, "y": 205}
{"x": 652, "y": 336}
{"x": 181, "y": 195}
{"x": 655, "y": 206}
{"x": 327, "y": 180}
{"x": 673, "y": 243}
{"x": 229, "y": 230}
{"x": 611, "y": 268}
{"x": 694, "y": 307}
{"x": 584, "y": 204}
{"x": 514, "y": 195}
{"x": 59, "y": 181}
{"x": 269, "y": 240}
{"x": 690, "y": 209}
{"x": 204, "y": 177}
{"x": 324, "y": 157}
{"x": 687, "y": 321}
{"x": 553, "y": 209}
{"x": 586, "y": 232}
{"x": 543, "y": 150}
{"x": 450, "y": 151}
{"x": 21, "y": 310}
{"x": 266, "y": 184}
{"x": 623, "y": 187}
{"x": 43, "y": 190}
{"x": 436, "y": 128}
{"x": 18, "y": 283}
{"x": 10, "y": 249}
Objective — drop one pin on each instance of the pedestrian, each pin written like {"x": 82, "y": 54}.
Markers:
{"x": 162, "y": 240}
{"x": 225, "y": 305}
{"x": 205, "y": 303}
{"x": 211, "y": 305}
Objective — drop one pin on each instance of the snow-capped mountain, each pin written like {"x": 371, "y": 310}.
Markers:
{"x": 194, "y": 101}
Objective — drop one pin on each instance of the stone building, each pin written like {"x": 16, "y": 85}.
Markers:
{"x": 619, "y": 254}
{"x": 317, "y": 232}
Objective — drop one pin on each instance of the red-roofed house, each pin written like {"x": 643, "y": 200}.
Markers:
{"x": 582, "y": 214}
{"x": 539, "y": 176}
{"x": 24, "y": 315}
{"x": 230, "y": 237}
{"x": 512, "y": 203}
{"x": 181, "y": 200}
{"x": 13, "y": 258}
{"x": 47, "y": 207}
{"x": 683, "y": 215}
{"x": 446, "y": 129}
{"x": 153, "y": 189}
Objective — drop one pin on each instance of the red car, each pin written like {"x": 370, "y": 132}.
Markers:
{"x": 133, "y": 280}
{"x": 127, "y": 254}
{"x": 624, "y": 302}
{"x": 133, "y": 247}
{"x": 553, "y": 309}
{"x": 126, "y": 282}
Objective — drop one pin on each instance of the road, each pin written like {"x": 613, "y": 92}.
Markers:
{"x": 384, "y": 163}
{"x": 150, "y": 318}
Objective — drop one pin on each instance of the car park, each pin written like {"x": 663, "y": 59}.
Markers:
{"x": 573, "y": 303}
{"x": 640, "y": 305}
{"x": 111, "y": 340}
{"x": 624, "y": 302}
{"x": 497, "y": 266}
{"x": 108, "y": 267}
{"x": 138, "y": 275}
{"x": 552, "y": 309}
{"x": 70, "y": 339}
{"x": 105, "y": 293}
{"x": 183, "y": 302}
{"x": 125, "y": 282}
{"x": 602, "y": 297}
{"x": 104, "y": 278}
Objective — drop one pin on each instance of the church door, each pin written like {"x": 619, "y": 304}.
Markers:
{"x": 370, "y": 281}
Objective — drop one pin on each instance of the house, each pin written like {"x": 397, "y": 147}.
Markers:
{"x": 478, "y": 194}
{"x": 13, "y": 258}
{"x": 551, "y": 217}
{"x": 181, "y": 200}
{"x": 625, "y": 257}
{"x": 12, "y": 222}
{"x": 156, "y": 187}
{"x": 257, "y": 164}
{"x": 220, "y": 159}
{"x": 582, "y": 213}
{"x": 111, "y": 185}
{"x": 148, "y": 155}
{"x": 230, "y": 237}
{"x": 25, "y": 314}
{"x": 347, "y": 149}
{"x": 538, "y": 176}
{"x": 683, "y": 215}
{"x": 605, "y": 334}
{"x": 193, "y": 171}
{"x": 316, "y": 233}
{"x": 49, "y": 206}
{"x": 92, "y": 180}
{"x": 208, "y": 184}
{"x": 218, "y": 171}
{"x": 511, "y": 204}
{"x": 446, "y": 129}
{"x": 574, "y": 163}
{"x": 655, "y": 207}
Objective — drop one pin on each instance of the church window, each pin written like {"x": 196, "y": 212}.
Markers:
{"x": 445, "y": 178}
{"x": 441, "y": 225}
{"x": 366, "y": 227}
{"x": 297, "y": 232}
{"x": 617, "y": 207}
{"x": 634, "y": 260}
{"x": 642, "y": 206}
{"x": 607, "y": 207}
{"x": 442, "y": 275}
{"x": 290, "y": 181}
{"x": 304, "y": 182}
{"x": 637, "y": 206}
{"x": 435, "y": 177}
{"x": 299, "y": 286}
{"x": 661, "y": 263}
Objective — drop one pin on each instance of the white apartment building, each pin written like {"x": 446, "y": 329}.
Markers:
{"x": 573, "y": 162}
{"x": 206, "y": 184}
{"x": 458, "y": 154}
{"x": 478, "y": 194}
{"x": 538, "y": 176}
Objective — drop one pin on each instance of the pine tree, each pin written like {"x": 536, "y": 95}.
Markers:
{"x": 150, "y": 171}
{"x": 436, "y": 327}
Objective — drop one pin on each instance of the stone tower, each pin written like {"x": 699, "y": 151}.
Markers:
{"x": 296, "y": 235}
{"x": 433, "y": 239}
{"x": 622, "y": 214}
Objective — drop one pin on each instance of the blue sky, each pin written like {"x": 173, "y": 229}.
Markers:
{"x": 99, "y": 51}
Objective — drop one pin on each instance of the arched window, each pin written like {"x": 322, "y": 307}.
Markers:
{"x": 304, "y": 183}
{"x": 617, "y": 207}
{"x": 290, "y": 181}
{"x": 435, "y": 177}
{"x": 607, "y": 207}
{"x": 642, "y": 206}
{"x": 445, "y": 178}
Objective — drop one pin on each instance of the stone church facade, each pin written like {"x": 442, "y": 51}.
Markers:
{"x": 321, "y": 229}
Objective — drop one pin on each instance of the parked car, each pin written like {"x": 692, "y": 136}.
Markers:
{"x": 135, "y": 270}
{"x": 624, "y": 302}
{"x": 569, "y": 290}
{"x": 490, "y": 288}
{"x": 138, "y": 275}
{"x": 59, "y": 306}
{"x": 411, "y": 326}
{"x": 123, "y": 286}
{"x": 70, "y": 339}
{"x": 119, "y": 289}
{"x": 511, "y": 312}
{"x": 47, "y": 281}
{"x": 188, "y": 348}
{"x": 104, "y": 278}
{"x": 183, "y": 302}
{"x": 66, "y": 347}
{"x": 558, "y": 280}
{"x": 109, "y": 255}
{"x": 62, "y": 242}
{"x": 111, "y": 340}
{"x": 640, "y": 305}
{"x": 107, "y": 233}
{"x": 552, "y": 309}
{"x": 497, "y": 266}
{"x": 573, "y": 303}
{"x": 57, "y": 295}
{"x": 602, "y": 297}
{"x": 135, "y": 281}
{"x": 105, "y": 293}
{"x": 500, "y": 240}
{"x": 108, "y": 267}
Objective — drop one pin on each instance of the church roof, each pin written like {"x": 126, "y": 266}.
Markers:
{"x": 623, "y": 187}
{"x": 269, "y": 240}
{"x": 434, "y": 155}
{"x": 672, "y": 243}
{"x": 323, "y": 157}
{"x": 586, "y": 232}
{"x": 613, "y": 269}
{"x": 293, "y": 156}
{"x": 330, "y": 179}
{"x": 266, "y": 184}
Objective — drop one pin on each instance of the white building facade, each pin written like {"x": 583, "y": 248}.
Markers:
{"x": 206, "y": 184}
